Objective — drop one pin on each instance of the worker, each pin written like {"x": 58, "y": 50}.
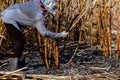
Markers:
{"x": 29, "y": 13}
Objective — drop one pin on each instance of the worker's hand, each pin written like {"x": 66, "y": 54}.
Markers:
{"x": 64, "y": 34}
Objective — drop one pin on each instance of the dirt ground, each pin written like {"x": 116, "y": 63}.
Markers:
{"x": 86, "y": 62}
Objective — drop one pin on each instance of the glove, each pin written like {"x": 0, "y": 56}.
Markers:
{"x": 64, "y": 34}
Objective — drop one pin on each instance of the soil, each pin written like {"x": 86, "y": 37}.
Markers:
{"x": 82, "y": 63}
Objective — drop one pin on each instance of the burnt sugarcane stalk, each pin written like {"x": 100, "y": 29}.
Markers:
{"x": 1, "y": 38}
{"x": 46, "y": 53}
{"x": 55, "y": 54}
{"x": 110, "y": 29}
{"x": 103, "y": 27}
{"x": 83, "y": 12}
{"x": 117, "y": 37}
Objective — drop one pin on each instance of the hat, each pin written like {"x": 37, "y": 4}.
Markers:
{"x": 50, "y": 5}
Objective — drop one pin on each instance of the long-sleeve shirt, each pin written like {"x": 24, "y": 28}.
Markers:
{"x": 29, "y": 13}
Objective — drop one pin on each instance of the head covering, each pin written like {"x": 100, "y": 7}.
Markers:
{"x": 49, "y": 5}
{"x": 43, "y": 8}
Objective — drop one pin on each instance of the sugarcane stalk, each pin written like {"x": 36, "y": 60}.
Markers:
{"x": 110, "y": 29}
{"x": 117, "y": 37}
{"x": 55, "y": 54}
{"x": 12, "y": 72}
{"x": 1, "y": 39}
{"x": 109, "y": 43}
{"x": 91, "y": 34}
{"x": 83, "y": 13}
{"x": 76, "y": 49}
{"x": 50, "y": 50}
{"x": 46, "y": 54}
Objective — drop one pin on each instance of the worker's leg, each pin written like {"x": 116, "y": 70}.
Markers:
{"x": 18, "y": 41}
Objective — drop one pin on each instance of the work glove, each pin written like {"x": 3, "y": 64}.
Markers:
{"x": 64, "y": 34}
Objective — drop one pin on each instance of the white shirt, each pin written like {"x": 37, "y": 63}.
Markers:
{"x": 28, "y": 13}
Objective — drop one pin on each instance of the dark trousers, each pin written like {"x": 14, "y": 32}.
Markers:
{"x": 16, "y": 38}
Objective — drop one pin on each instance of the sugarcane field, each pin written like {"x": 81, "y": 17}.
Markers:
{"x": 60, "y": 40}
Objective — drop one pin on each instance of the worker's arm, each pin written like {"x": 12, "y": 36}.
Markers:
{"x": 46, "y": 33}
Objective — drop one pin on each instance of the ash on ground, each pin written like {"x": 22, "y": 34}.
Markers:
{"x": 81, "y": 63}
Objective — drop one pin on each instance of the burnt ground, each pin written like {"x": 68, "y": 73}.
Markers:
{"x": 81, "y": 64}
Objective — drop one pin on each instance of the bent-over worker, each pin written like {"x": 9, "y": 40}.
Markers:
{"x": 29, "y": 13}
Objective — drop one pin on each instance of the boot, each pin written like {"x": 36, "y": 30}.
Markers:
{"x": 21, "y": 62}
{"x": 13, "y": 63}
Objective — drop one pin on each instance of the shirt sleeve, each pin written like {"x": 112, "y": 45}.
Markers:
{"x": 44, "y": 32}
